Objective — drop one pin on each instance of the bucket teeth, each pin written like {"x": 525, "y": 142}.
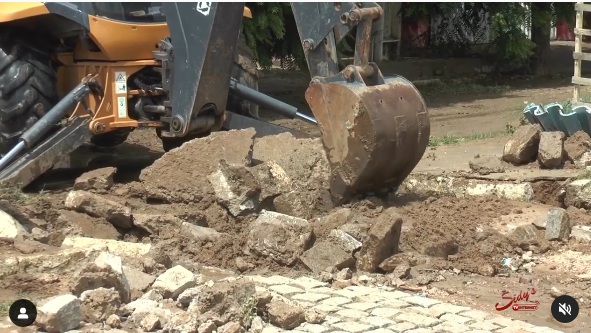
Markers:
{"x": 374, "y": 135}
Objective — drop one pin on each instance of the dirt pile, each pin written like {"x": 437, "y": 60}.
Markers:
{"x": 153, "y": 243}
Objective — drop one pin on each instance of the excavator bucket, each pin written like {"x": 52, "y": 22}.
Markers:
{"x": 374, "y": 135}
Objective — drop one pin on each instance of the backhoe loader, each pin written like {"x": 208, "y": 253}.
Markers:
{"x": 76, "y": 72}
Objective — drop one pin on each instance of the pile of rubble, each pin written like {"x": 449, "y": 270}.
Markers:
{"x": 142, "y": 255}
{"x": 552, "y": 150}
{"x": 109, "y": 295}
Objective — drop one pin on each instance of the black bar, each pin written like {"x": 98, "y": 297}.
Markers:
{"x": 263, "y": 100}
{"x": 55, "y": 115}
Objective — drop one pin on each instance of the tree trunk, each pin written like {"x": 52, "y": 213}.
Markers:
{"x": 540, "y": 35}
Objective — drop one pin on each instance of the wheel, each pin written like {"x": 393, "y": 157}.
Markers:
{"x": 111, "y": 139}
{"x": 245, "y": 71}
{"x": 27, "y": 86}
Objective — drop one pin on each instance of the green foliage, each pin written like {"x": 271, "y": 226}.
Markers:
{"x": 272, "y": 33}
{"x": 510, "y": 43}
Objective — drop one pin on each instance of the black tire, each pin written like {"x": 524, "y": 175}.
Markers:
{"x": 245, "y": 71}
{"x": 27, "y": 86}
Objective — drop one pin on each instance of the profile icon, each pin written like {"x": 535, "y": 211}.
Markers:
{"x": 22, "y": 313}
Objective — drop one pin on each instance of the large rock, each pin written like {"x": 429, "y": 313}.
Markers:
{"x": 284, "y": 315}
{"x": 59, "y": 314}
{"x": 280, "y": 237}
{"x": 523, "y": 146}
{"x": 326, "y": 254}
{"x": 174, "y": 281}
{"x": 381, "y": 241}
{"x": 181, "y": 174}
{"x": 551, "y": 149}
{"x": 99, "y": 304}
{"x": 229, "y": 299}
{"x": 9, "y": 227}
{"x": 98, "y": 206}
{"x": 578, "y": 194}
{"x": 235, "y": 188}
{"x": 107, "y": 272}
{"x": 300, "y": 171}
{"x": 99, "y": 179}
{"x": 558, "y": 225}
{"x": 202, "y": 233}
{"x": 336, "y": 251}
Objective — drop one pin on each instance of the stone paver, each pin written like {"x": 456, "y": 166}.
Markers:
{"x": 358, "y": 309}
{"x": 417, "y": 319}
{"x": 310, "y": 297}
{"x": 353, "y": 327}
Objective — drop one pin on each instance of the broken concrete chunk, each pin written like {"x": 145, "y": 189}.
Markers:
{"x": 99, "y": 304}
{"x": 9, "y": 227}
{"x": 405, "y": 258}
{"x": 207, "y": 327}
{"x": 551, "y": 149}
{"x": 304, "y": 183}
{"x": 120, "y": 248}
{"x": 558, "y": 226}
{"x": 487, "y": 164}
{"x": 107, "y": 260}
{"x": 227, "y": 299}
{"x": 59, "y": 314}
{"x": 582, "y": 233}
{"x": 200, "y": 232}
{"x": 155, "y": 223}
{"x": 381, "y": 241}
{"x": 284, "y": 315}
{"x": 326, "y": 254}
{"x": 99, "y": 179}
{"x": 235, "y": 147}
{"x": 578, "y": 194}
{"x": 98, "y": 206}
{"x": 150, "y": 322}
{"x": 344, "y": 240}
{"x": 113, "y": 321}
{"x": 357, "y": 230}
{"x": 231, "y": 327}
{"x": 280, "y": 237}
{"x": 523, "y": 146}
{"x": 174, "y": 281}
{"x": 187, "y": 296}
{"x": 235, "y": 188}
{"x": 314, "y": 316}
{"x": 527, "y": 233}
{"x": 138, "y": 281}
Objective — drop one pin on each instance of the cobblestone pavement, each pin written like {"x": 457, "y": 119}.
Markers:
{"x": 360, "y": 309}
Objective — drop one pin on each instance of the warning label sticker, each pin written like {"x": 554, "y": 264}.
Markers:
{"x": 122, "y": 107}
{"x": 120, "y": 83}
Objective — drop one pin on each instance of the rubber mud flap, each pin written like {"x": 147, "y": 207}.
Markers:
{"x": 374, "y": 135}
